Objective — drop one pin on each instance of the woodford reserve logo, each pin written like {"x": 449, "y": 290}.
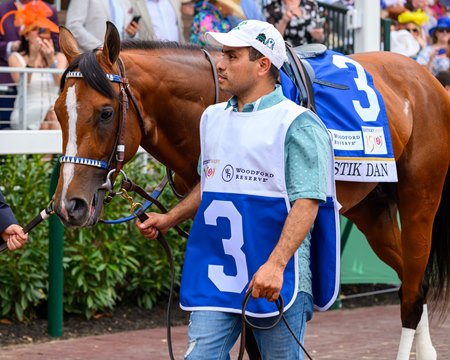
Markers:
{"x": 229, "y": 173}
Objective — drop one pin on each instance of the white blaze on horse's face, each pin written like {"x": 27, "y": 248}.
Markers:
{"x": 71, "y": 148}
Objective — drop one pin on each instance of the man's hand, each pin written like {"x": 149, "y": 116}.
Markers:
{"x": 155, "y": 223}
{"x": 14, "y": 236}
{"x": 132, "y": 29}
{"x": 267, "y": 281}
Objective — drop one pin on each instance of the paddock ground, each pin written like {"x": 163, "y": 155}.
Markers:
{"x": 362, "y": 333}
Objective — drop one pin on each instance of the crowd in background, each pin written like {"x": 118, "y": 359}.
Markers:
{"x": 420, "y": 30}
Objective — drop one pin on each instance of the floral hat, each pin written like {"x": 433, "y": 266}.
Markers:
{"x": 30, "y": 16}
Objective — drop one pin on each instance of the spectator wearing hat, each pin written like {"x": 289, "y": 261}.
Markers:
{"x": 423, "y": 5}
{"x": 213, "y": 15}
{"x": 412, "y": 21}
{"x": 435, "y": 56}
{"x": 10, "y": 42}
{"x": 36, "y": 50}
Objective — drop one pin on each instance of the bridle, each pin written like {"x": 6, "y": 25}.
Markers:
{"x": 117, "y": 156}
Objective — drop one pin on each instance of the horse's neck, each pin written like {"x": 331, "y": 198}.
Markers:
{"x": 173, "y": 91}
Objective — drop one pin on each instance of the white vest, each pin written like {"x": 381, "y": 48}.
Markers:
{"x": 243, "y": 209}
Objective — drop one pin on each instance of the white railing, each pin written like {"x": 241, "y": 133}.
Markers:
{"x": 30, "y": 142}
{"x": 21, "y": 101}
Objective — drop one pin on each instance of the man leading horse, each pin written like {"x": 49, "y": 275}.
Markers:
{"x": 263, "y": 166}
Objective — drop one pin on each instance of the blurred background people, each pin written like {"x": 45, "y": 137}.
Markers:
{"x": 423, "y": 5}
{"x": 214, "y": 15}
{"x": 298, "y": 20}
{"x": 86, "y": 19}
{"x": 36, "y": 50}
{"x": 160, "y": 19}
{"x": 10, "y": 42}
{"x": 412, "y": 21}
{"x": 435, "y": 56}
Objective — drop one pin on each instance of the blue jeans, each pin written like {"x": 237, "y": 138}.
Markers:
{"x": 212, "y": 334}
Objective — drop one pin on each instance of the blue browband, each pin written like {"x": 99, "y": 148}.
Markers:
{"x": 111, "y": 77}
{"x": 83, "y": 161}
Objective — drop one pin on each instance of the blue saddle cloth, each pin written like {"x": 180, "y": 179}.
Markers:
{"x": 355, "y": 117}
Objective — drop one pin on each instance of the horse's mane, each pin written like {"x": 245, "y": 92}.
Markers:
{"x": 95, "y": 75}
{"x": 150, "y": 45}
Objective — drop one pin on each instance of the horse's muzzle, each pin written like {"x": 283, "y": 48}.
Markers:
{"x": 78, "y": 212}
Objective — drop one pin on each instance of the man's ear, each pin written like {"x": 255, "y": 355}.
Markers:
{"x": 264, "y": 65}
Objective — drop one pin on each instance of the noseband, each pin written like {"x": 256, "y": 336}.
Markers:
{"x": 118, "y": 154}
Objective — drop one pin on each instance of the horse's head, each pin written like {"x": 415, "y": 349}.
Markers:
{"x": 91, "y": 112}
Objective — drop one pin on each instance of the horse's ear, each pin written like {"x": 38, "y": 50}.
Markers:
{"x": 111, "y": 47}
{"x": 68, "y": 44}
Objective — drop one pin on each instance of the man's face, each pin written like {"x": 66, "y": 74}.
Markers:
{"x": 237, "y": 74}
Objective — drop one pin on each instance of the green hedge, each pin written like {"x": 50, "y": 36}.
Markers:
{"x": 103, "y": 265}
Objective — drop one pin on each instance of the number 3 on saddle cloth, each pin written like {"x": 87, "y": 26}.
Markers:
{"x": 355, "y": 116}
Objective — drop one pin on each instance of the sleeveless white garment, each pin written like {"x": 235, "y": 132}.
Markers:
{"x": 42, "y": 93}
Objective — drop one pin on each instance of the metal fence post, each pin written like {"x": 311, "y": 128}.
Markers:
{"x": 55, "y": 266}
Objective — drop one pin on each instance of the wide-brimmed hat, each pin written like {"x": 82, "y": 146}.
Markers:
{"x": 235, "y": 6}
{"x": 403, "y": 42}
{"x": 31, "y": 15}
{"x": 442, "y": 23}
{"x": 258, "y": 34}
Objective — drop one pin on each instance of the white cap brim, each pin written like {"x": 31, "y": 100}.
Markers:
{"x": 225, "y": 39}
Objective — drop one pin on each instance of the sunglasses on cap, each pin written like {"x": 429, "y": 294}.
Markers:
{"x": 447, "y": 30}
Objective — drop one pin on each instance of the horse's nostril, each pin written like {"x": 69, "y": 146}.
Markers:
{"x": 76, "y": 208}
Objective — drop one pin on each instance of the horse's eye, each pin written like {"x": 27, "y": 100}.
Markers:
{"x": 106, "y": 113}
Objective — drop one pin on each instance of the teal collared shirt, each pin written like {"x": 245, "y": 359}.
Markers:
{"x": 262, "y": 103}
{"x": 306, "y": 153}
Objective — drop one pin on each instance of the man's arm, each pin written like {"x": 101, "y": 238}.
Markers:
{"x": 156, "y": 222}
{"x": 268, "y": 280}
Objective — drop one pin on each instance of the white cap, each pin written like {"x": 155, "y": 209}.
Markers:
{"x": 258, "y": 34}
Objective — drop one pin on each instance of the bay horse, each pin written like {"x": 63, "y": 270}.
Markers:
{"x": 172, "y": 85}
